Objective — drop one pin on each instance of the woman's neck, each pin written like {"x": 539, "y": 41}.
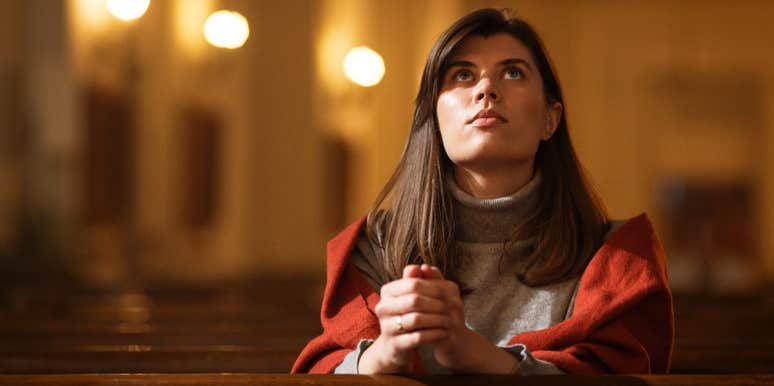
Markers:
{"x": 492, "y": 182}
{"x": 487, "y": 220}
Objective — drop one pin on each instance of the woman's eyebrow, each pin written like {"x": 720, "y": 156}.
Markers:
{"x": 461, "y": 63}
{"x": 514, "y": 61}
{"x": 503, "y": 63}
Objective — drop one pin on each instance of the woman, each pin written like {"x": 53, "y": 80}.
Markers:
{"x": 494, "y": 255}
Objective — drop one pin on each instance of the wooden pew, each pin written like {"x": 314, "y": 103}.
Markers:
{"x": 352, "y": 380}
{"x": 724, "y": 334}
{"x": 722, "y": 361}
{"x": 167, "y": 331}
{"x": 148, "y": 359}
{"x": 201, "y": 359}
{"x": 250, "y": 329}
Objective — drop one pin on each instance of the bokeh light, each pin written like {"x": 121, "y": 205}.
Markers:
{"x": 364, "y": 66}
{"x": 226, "y": 29}
{"x": 127, "y": 9}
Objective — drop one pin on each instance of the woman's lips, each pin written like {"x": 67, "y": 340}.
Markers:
{"x": 486, "y": 122}
{"x": 487, "y": 118}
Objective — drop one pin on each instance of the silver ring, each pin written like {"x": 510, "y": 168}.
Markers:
{"x": 399, "y": 323}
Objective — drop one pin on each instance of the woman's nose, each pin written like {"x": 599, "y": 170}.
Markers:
{"x": 486, "y": 90}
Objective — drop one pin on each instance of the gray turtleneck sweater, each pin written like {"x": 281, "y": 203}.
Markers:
{"x": 500, "y": 306}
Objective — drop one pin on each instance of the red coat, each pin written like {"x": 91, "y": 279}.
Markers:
{"x": 622, "y": 321}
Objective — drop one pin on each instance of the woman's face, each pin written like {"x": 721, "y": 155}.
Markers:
{"x": 492, "y": 110}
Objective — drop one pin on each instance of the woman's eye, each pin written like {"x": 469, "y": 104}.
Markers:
{"x": 513, "y": 73}
{"x": 462, "y": 76}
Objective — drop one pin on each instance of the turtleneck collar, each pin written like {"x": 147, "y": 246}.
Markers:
{"x": 488, "y": 220}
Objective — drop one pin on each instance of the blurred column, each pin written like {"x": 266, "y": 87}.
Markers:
{"x": 276, "y": 143}
{"x": 158, "y": 77}
{"x": 10, "y": 122}
{"x": 51, "y": 120}
{"x": 767, "y": 181}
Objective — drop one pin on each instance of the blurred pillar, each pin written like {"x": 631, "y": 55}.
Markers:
{"x": 10, "y": 122}
{"x": 767, "y": 185}
{"x": 51, "y": 117}
{"x": 276, "y": 143}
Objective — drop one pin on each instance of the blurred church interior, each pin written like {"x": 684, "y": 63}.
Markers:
{"x": 159, "y": 195}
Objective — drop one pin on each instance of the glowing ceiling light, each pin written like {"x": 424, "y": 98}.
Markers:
{"x": 226, "y": 29}
{"x": 127, "y": 9}
{"x": 364, "y": 66}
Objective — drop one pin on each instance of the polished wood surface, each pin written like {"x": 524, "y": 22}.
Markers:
{"x": 724, "y": 334}
{"x": 261, "y": 326}
{"x": 243, "y": 327}
{"x": 345, "y": 380}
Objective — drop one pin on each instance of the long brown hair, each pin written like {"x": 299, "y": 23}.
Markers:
{"x": 569, "y": 222}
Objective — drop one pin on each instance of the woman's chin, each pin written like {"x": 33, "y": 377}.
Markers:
{"x": 491, "y": 160}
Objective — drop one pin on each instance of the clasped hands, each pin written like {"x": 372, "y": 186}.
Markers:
{"x": 423, "y": 308}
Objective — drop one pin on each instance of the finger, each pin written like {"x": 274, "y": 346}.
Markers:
{"x": 409, "y": 303}
{"x": 450, "y": 290}
{"x": 392, "y": 325}
{"x": 412, "y": 271}
{"x": 432, "y": 288}
{"x": 438, "y": 288}
{"x": 414, "y": 321}
{"x": 445, "y": 290}
{"x": 431, "y": 272}
{"x": 412, "y": 340}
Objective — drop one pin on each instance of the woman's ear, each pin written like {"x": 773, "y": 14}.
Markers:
{"x": 553, "y": 116}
